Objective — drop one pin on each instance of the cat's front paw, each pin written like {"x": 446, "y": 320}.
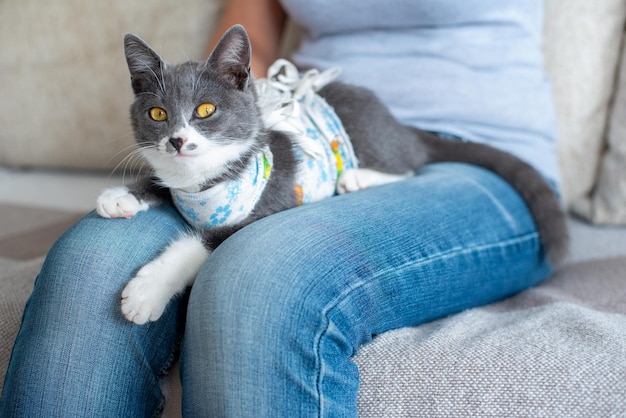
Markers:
{"x": 349, "y": 182}
{"x": 144, "y": 298}
{"x": 356, "y": 179}
{"x": 118, "y": 202}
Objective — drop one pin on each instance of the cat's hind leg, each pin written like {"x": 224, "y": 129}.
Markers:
{"x": 356, "y": 179}
{"x": 145, "y": 297}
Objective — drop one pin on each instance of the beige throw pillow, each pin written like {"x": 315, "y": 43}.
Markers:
{"x": 582, "y": 48}
{"x": 64, "y": 85}
{"x": 607, "y": 201}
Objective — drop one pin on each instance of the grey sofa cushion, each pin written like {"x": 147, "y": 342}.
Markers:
{"x": 16, "y": 284}
{"x": 555, "y": 350}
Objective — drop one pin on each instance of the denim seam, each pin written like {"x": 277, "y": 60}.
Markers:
{"x": 440, "y": 256}
{"x": 167, "y": 367}
{"x": 458, "y": 251}
{"x": 164, "y": 371}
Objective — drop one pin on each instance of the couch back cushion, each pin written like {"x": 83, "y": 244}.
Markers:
{"x": 65, "y": 88}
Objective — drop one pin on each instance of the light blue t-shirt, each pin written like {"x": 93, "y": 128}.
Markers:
{"x": 468, "y": 68}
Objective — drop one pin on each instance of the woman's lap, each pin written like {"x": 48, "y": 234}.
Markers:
{"x": 280, "y": 307}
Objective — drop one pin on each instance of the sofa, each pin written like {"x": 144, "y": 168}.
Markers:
{"x": 558, "y": 349}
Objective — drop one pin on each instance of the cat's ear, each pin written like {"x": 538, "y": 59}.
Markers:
{"x": 231, "y": 57}
{"x": 144, "y": 64}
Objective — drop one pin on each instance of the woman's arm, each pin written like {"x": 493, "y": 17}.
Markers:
{"x": 264, "y": 20}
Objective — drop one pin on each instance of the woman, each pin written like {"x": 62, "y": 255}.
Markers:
{"x": 279, "y": 309}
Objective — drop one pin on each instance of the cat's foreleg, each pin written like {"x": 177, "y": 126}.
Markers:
{"x": 145, "y": 297}
{"x": 356, "y": 179}
{"x": 118, "y": 202}
{"x": 126, "y": 202}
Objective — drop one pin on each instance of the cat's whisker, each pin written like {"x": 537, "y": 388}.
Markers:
{"x": 118, "y": 138}
{"x": 128, "y": 160}
{"x": 132, "y": 163}
{"x": 163, "y": 80}
{"x": 148, "y": 93}
{"x": 135, "y": 165}
{"x": 117, "y": 167}
{"x": 123, "y": 150}
{"x": 229, "y": 138}
{"x": 181, "y": 49}
{"x": 160, "y": 82}
{"x": 244, "y": 124}
{"x": 199, "y": 77}
{"x": 127, "y": 146}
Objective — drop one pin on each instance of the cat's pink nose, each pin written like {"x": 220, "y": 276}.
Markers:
{"x": 177, "y": 143}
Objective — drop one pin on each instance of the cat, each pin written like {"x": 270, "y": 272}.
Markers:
{"x": 199, "y": 127}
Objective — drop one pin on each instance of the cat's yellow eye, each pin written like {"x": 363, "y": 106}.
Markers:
{"x": 158, "y": 114}
{"x": 205, "y": 110}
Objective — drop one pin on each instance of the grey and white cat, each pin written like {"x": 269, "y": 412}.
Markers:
{"x": 198, "y": 125}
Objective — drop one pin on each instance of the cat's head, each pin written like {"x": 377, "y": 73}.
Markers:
{"x": 194, "y": 121}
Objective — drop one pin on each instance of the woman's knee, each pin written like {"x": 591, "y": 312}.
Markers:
{"x": 267, "y": 284}
{"x": 264, "y": 304}
{"x": 99, "y": 248}
{"x": 87, "y": 268}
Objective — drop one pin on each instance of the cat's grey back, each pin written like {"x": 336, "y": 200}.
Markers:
{"x": 382, "y": 143}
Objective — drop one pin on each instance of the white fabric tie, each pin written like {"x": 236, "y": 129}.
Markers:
{"x": 289, "y": 102}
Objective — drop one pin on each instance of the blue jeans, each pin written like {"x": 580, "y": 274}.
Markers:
{"x": 280, "y": 307}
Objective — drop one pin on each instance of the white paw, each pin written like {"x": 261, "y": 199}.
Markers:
{"x": 357, "y": 179}
{"x": 144, "y": 298}
{"x": 118, "y": 202}
{"x": 349, "y": 182}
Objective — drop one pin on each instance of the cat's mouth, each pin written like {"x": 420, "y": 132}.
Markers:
{"x": 183, "y": 155}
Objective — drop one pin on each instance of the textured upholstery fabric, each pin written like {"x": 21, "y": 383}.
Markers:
{"x": 16, "y": 284}
{"x": 555, "y": 350}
